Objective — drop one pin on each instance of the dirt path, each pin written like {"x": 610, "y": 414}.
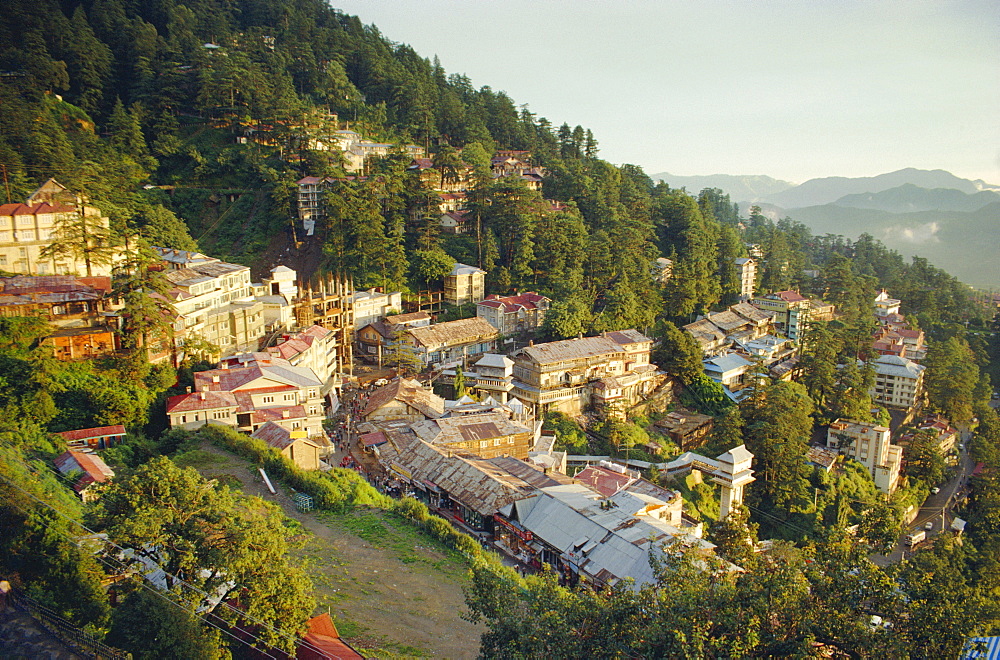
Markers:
{"x": 392, "y": 590}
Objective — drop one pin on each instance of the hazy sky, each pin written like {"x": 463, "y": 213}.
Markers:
{"x": 792, "y": 89}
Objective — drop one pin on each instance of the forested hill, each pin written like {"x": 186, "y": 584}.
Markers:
{"x": 188, "y": 123}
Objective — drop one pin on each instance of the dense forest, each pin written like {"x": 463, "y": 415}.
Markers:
{"x": 188, "y": 123}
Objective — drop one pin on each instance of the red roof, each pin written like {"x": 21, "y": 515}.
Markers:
{"x": 373, "y": 439}
{"x": 97, "y": 432}
{"x": 322, "y": 642}
{"x": 604, "y": 481}
{"x": 791, "y": 296}
{"x": 94, "y": 469}
{"x": 528, "y": 300}
{"x": 24, "y": 209}
{"x": 264, "y": 415}
{"x": 200, "y": 401}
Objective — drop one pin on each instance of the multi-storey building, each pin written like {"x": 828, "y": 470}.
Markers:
{"x": 215, "y": 302}
{"x": 464, "y": 284}
{"x": 899, "y": 383}
{"x": 510, "y": 315}
{"x": 869, "y": 445}
{"x": 609, "y": 371}
{"x": 27, "y": 229}
{"x": 453, "y": 340}
{"x": 746, "y": 270}
{"x": 374, "y": 304}
{"x": 247, "y": 397}
{"x": 793, "y": 312}
{"x": 494, "y": 376}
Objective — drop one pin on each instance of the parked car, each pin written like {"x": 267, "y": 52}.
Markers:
{"x": 929, "y": 525}
{"x": 935, "y": 490}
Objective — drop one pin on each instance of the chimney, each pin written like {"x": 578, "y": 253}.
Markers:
{"x": 531, "y": 342}
{"x": 187, "y": 390}
{"x": 284, "y": 414}
{"x": 204, "y": 388}
{"x": 202, "y": 396}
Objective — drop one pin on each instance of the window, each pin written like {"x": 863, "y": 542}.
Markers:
{"x": 268, "y": 399}
{"x": 296, "y": 425}
{"x": 496, "y": 443}
{"x": 23, "y": 252}
{"x": 289, "y": 397}
{"x": 184, "y": 419}
{"x": 3, "y": 259}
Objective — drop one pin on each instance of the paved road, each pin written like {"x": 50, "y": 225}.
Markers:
{"x": 936, "y": 508}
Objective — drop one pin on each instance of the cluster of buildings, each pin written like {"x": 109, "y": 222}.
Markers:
{"x": 488, "y": 467}
{"x": 733, "y": 340}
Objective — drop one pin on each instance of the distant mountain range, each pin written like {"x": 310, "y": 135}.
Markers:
{"x": 753, "y": 187}
{"x": 953, "y": 222}
{"x": 815, "y": 192}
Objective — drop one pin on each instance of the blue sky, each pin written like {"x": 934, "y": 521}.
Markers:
{"x": 792, "y": 89}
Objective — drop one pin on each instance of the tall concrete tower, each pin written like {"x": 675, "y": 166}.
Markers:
{"x": 733, "y": 474}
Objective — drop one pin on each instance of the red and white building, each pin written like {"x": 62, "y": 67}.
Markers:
{"x": 248, "y": 397}
{"x": 91, "y": 468}
{"x": 513, "y": 314}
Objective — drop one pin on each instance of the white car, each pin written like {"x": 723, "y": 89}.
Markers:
{"x": 929, "y": 525}
{"x": 935, "y": 490}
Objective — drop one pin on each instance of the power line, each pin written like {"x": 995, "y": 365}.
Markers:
{"x": 177, "y": 580}
{"x": 121, "y": 566}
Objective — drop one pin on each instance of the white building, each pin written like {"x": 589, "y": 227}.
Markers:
{"x": 899, "y": 382}
{"x": 464, "y": 284}
{"x": 886, "y": 306}
{"x": 494, "y": 376}
{"x": 868, "y": 444}
{"x": 746, "y": 269}
{"x": 373, "y": 305}
{"x": 250, "y": 396}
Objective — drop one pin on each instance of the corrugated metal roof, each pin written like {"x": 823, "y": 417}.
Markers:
{"x": 453, "y": 333}
{"x": 476, "y": 483}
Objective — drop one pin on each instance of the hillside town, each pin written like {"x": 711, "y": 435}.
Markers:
{"x": 311, "y": 349}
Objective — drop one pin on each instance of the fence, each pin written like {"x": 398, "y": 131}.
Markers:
{"x": 81, "y": 642}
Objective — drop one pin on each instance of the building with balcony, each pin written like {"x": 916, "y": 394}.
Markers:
{"x": 464, "y": 284}
{"x": 511, "y": 315}
{"x": 899, "y": 383}
{"x": 249, "y": 396}
{"x": 868, "y": 444}
{"x": 494, "y": 376}
{"x": 569, "y": 375}
{"x": 746, "y": 271}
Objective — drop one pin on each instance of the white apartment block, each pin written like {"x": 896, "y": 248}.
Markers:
{"x": 374, "y": 305}
{"x": 464, "y": 284}
{"x": 746, "y": 269}
{"x": 899, "y": 383}
{"x": 869, "y": 445}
